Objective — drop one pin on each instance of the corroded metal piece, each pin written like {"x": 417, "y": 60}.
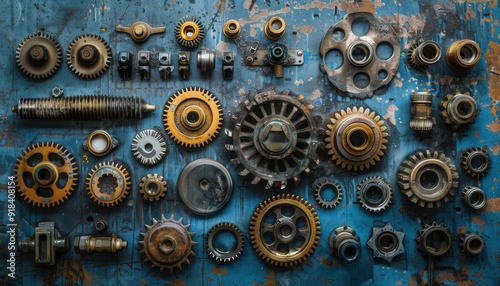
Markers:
{"x": 107, "y": 244}
{"x": 223, "y": 255}
{"x": 232, "y": 29}
{"x": 386, "y": 242}
{"x": 275, "y": 28}
{"x": 47, "y": 243}
{"x": 421, "y": 110}
{"x": 140, "y": 31}
{"x": 458, "y": 109}
{"x": 100, "y": 143}
{"x": 88, "y": 56}
{"x": 344, "y": 242}
{"x": 108, "y": 183}
{"x": 463, "y": 55}
{"x": 324, "y": 184}
{"x": 375, "y": 193}
{"x": 434, "y": 240}
{"x": 475, "y": 161}
{"x": 474, "y": 197}
{"x": 424, "y": 53}
{"x": 471, "y": 243}
{"x": 153, "y": 187}
{"x": 39, "y": 55}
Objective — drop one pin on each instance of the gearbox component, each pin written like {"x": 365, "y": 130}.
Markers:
{"x": 46, "y": 174}
{"x": 216, "y": 242}
{"x": 88, "y": 56}
{"x": 327, "y": 192}
{"x": 140, "y": 31}
{"x": 463, "y": 55}
{"x": 277, "y": 56}
{"x": 150, "y": 147}
{"x": 206, "y": 60}
{"x": 459, "y": 109}
{"x": 274, "y": 139}
{"x": 471, "y": 243}
{"x": 189, "y": 31}
{"x": 144, "y": 59}
{"x": 474, "y": 197}
{"x": 108, "y": 183}
{"x": 205, "y": 186}
{"x": 57, "y": 92}
{"x": 370, "y": 52}
{"x": 434, "y": 240}
{"x": 165, "y": 65}
{"x": 386, "y": 242}
{"x": 375, "y": 193}
{"x": 356, "y": 138}
{"x": 125, "y": 65}
{"x": 192, "y": 117}
{"x": 39, "y": 55}
{"x": 153, "y": 187}
{"x": 231, "y": 29}
{"x": 87, "y": 244}
{"x": 427, "y": 178}
{"x": 167, "y": 243}
{"x": 100, "y": 143}
{"x": 228, "y": 65}
{"x": 476, "y": 162}
{"x": 275, "y": 28}
{"x": 344, "y": 242}
{"x": 421, "y": 110}
{"x": 101, "y": 225}
{"x": 424, "y": 53}
{"x": 285, "y": 230}
{"x": 184, "y": 59}
{"x": 47, "y": 243}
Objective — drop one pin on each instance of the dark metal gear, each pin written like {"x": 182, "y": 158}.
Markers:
{"x": 324, "y": 184}
{"x": 375, "y": 193}
{"x": 108, "y": 183}
{"x": 434, "y": 240}
{"x": 88, "y": 56}
{"x": 471, "y": 243}
{"x": 39, "y": 55}
{"x": 476, "y": 162}
{"x": 220, "y": 254}
{"x": 189, "y": 31}
{"x": 386, "y": 242}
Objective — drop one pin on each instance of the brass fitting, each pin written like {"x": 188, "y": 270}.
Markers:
{"x": 140, "y": 31}
{"x": 99, "y": 143}
{"x": 232, "y": 29}
{"x": 463, "y": 55}
{"x": 420, "y": 113}
{"x": 89, "y": 244}
{"x": 275, "y": 28}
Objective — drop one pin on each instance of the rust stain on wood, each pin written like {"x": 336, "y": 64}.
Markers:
{"x": 479, "y": 220}
{"x": 219, "y": 271}
{"x": 492, "y": 205}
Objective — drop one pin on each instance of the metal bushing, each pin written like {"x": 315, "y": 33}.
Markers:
{"x": 471, "y": 243}
{"x": 424, "y": 54}
{"x": 344, "y": 242}
{"x": 206, "y": 60}
{"x": 232, "y": 29}
{"x": 474, "y": 197}
{"x": 275, "y": 28}
{"x": 100, "y": 143}
{"x": 463, "y": 55}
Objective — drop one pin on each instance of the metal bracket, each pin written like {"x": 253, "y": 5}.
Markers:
{"x": 144, "y": 62}
{"x": 166, "y": 67}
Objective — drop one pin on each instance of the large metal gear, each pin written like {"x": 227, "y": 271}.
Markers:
{"x": 274, "y": 140}
{"x": 88, "y": 56}
{"x": 167, "y": 243}
{"x": 189, "y": 31}
{"x": 327, "y": 184}
{"x": 221, "y": 253}
{"x": 108, "y": 183}
{"x": 192, "y": 117}
{"x": 39, "y": 55}
{"x": 149, "y": 147}
{"x": 427, "y": 178}
{"x": 153, "y": 187}
{"x": 434, "y": 240}
{"x": 476, "y": 162}
{"x": 285, "y": 230}
{"x": 45, "y": 174}
{"x": 386, "y": 242}
{"x": 375, "y": 193}
{"x": 356, "y": 138}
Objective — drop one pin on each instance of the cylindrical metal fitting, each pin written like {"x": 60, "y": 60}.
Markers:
{"x": 463, "y": 55}
{"x": 474, "y": 197}
{"x": 89, "y": 244}
{"x": 275, "y": 28}
{"x": 426, "y": 53}
{"x": 206, "y": 60}
{"x": 232, "y": 29}
{"x": 421, "y": 109}
{"x": 101, "y": 225}
{"x": 344, "y": 242}
{"x": 458, "y": 109}
{"x": 471, "y": 243}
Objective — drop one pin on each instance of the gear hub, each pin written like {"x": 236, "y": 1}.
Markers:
{"x": 108, "y": 183}
{"x": 39, "y": 55}
{"x": 88, "y": 56}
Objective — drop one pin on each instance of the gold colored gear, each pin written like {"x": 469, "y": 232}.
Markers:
{"x": 192, "y": 117}
{"x": 108, "y": 183}
{"x": 189, "y": 31}
{"x": 356, "y": 138}
{"x": 88, "y": 56}
{"x": 39, "y": 55}
{"x": 153, "y": 187}
{"x": 46, "y": 174}
{"x": 285, "y": 230}
{"x": 167, "y": 243}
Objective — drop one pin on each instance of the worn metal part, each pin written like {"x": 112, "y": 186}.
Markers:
{"x": 386, "y": 242}
{"x": 434, "y": 240}
{"x": 184, "y": 59}
{"x": 153, "y": 187}
{"x": 39, "y": 55}
{"x": 224, "y": 254}
{"x": 165, "y": 65}
{"x": 140, "y": 31}
{"x": 125, "y": 65}
{"x": 150, "y": 147}
{"x": 189, "y": 31}
{"x": 375, "y": 193}
{"x": 322, "y": 186}
{"x": 88, "y": 56}
{"x": 167, "y": 243}
{"x": 470, "y": 243}
{"x": 463, "y": 55}
{"x": 277, "y": 56}
{"x": 57, "y": 92}
{"x": 45, "y": 174}
{"x": 100, "y": 143}
{"x": 144, "y": 59}
{"x": 46, "y": 244}
{"x": 86, "y": 244}
{"x": 101, "y": 225}
{"x": 344, "y": 242}
{"x": 275, "y": 28}
{"x": 475, "y": 161}
{"x": 474, "y": 197}
{"x": 458, "y": 109}
{"x": 206, "y": 60}
{"x": 228, "y": 65}
{"x": 231, "y": 29}
{"x": 423, "y": 53}
{"x": 108, "y": 183}
{"x": 421, "y": 110}
{"x": 285, "y": 230}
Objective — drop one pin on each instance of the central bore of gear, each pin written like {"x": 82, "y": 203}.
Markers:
{"x": 38, "y": 54}
{"x": 275, "y": 137}
{"x": 360, "y": 53}
{"x": 167, "y": 244}
{"x": 107, "y": 184}
{"x": 285, "y": 230}
{"x": 357, "y": 139}
{"x": 193, "y": 117}
{"x": 189, "y": 31}
{"x": 153, "y": 189}
{"x": 88, "y": 54}
{"x": 387, "y": 242}
{"x": 45, "y": 174}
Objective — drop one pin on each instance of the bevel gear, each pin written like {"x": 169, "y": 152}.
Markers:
{"x": 458, "y": 109}
{"x": 223, "y": 255}
{"x": 322, "y": 184}
{"x": 88, "y": 56}
{"x": 153, "y": 187}
{"x": 108, "y": 183}
{"x": 356, "y": 138}
{"x": 476, "y": 162}
{"x": 167, "y": 243}
{"x": 192, "y": 117}
{"x": 39, "y": 55}
{"x": 45, "y": 174}
{"x": 434, "y": 240}
{"x": 189, "y": 31}
{"x": 285, "y": 230}
{"x": 375, "y": 193}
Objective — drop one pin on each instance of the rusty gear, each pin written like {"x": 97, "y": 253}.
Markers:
{"x": 285, "y": 230}
{"x": 375, "y": 193}
{"x": 322, "y": 184}
{"x": 434, "y": 240}
{"x": 108, "y": 183}
{"x": 88, "y": 56}
{"x": 46, "y": 174}
{"x": 153, "y": 187}
{"x": 476, "y": 162}
{"x": 39, "y": 55}
{"x": 189, "y": 31}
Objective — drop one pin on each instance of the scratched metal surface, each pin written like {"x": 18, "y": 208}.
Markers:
{"x": 307, "y": 21}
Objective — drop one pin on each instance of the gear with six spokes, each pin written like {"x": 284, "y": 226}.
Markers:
{"x": 88, "y": 56}
{"x": 108, "y": 183}
{"x": 39, "y": 55}
{"x": 189, "y": 31}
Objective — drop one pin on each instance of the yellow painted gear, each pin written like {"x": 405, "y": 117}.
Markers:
{"x": 108, "y": 183}
{"x": 192, "y": 117}
{"x": 153, "y": 187}
{"x": 88, "y": 56}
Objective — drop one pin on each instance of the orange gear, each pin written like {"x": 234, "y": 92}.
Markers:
{"x": 108, "y": 183}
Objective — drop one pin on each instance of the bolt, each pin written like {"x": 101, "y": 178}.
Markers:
{"x": 300, "y": 53}
{"x": 38, "y": 54}
{"x": 87, "y": 54}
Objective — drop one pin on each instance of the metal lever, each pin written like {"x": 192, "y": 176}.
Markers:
{"x": 140, "y": 31}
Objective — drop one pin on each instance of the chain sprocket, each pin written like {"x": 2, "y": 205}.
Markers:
{"x": 39, "y": 55}
{"x": 434, "y": 240}
{"x": 375, "y": 193}
{"x": 223, "y": 255}
{"x": 153, "y": 187}
{"x": 321, "y": 185}
{"x": 88, "y": 56}
{"x": 108, "y": 183}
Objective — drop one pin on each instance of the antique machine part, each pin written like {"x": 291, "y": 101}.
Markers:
{"x": 274, "y": 139}
{"x": 344, "y": 242}
{"x": 434, "y": 240}
{"x": 184, "y": 59}
{"x": 275, "y": 28}
{"x": 323, "y": 185}
{"x": 189, "y": 31}
{"x": 228, "y": 65}
{"x": 47, "y": 243}
{"x": 46, "y": 174}
{"x": 459, "y": 109}
{"x": 39, "y": 55}
{"x": 427, "y": 178}
{"x": 204, "y": 186}
{"x": 386, "y": 242}
{"x": 192, "y": 117}
{"x": 144, "y": 59}
{"x": 108, "y": 183}
{"x": 150, "y": 147}
{"x": 471, "y": 243}
{"x": 125, "y": 65}
{"x": 214, "y": 236}
{"x": 285, "y": 230}
{"x": 100, "y": 143}
{"x": 153, "y": 187}
{"x": 83, "y": 107}
{"x": 57, "y": 92}
{"x": 165, "y": 65}
{"x": 421, "y": 110}
{"x": 206, "y": 60}
{"x": 370, "y": 54}
{"x": 424, "y": 53}
{"x": 375, "y": 193}
{"x": 167, "y": 243}
{"x": 101, "y": 225}
{"x": 88, "y": 56}
{"x": 476, "y": 162}
{"x": 140, "y": 31}
{"x": 463, "y": 55}
{"x": 87, "y": 244}
{"x": 276, "y": 56}
{"x": 356, "y": 138}
{"x": 231, "y": 29}
{"x": 474, "y": 197}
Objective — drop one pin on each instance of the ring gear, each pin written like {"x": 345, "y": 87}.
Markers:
{"x": 108, "y": 183}
{"x": 356, "y": 138}
{"x": 283, "y": 242}
{"x": 153, "y": 187}
{"x": 470, "y": 155}
{"x": 375, "y": 184}
{"x": 459, "y": 109}
{"x": 158, "y": 143}
{"x": 189, "y": 31}
{"x": 434, "y": 240}
{"x": 417, "y": 168}
{"x": 39, "y": 55}
{"x": 167, "y": 243}
{"x": 192, "y": 117}
{"x": 224, "y": 255}
{"x": 88, "y": 56}
{"x": 323, "y": 183}
{"x": 386, "y": 242}
{"x": 45, "y": 174}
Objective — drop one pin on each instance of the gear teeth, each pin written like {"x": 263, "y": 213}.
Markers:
{"x": 157, "y": 140}
{"x": 186, "y": 40}
{"x": 323, "y": 183}
{"x": 225, "y": 256}
{"x": 50, "y": 44}
{"x": 161, "y": 187}
{"x": 383, "y": 186}
{"x": 96, "y": 69}
{"x": 430, "y": 250}
{"x": 123, "y": 180}
{"x": 469, "y": 155}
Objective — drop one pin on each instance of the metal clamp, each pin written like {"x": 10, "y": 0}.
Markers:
{"x": 184, "y": 62}
{"x": 46, "y": 244}
{"x": 144, "y": 63}
{"x": 125, "y": 65}
{"x": 166, "y": 67}
{"x": 228, "y": 65}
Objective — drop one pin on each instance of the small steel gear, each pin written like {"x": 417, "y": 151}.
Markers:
{"x": 375, "y": 193}
{"x": 427, "y": 178}
{"x": 46, "y": 174}
{"x": 285, "y": 230}
{"x": 167, "y": 243}
{"x": 189, "y": 31}
{"x": 88, "y": 56}
{"x": 423, "y": 53}
{"x": 474, "y": 197}
{"x": 356, "y": 138}
{"x": 386, "y": 242}
{"x": 220, "y": 254}
{"x": 192, "y": 117}
{"x": 434, "y": 240}
{"x": 108, "y": 183}
{"x": 149, "y": 147}
{"x": 458, "y": 110}
{"x": 323, "y": 184}
{"x": 153, "y": 187}
{"x": 470, "y": 243}
{"x": 39, "y": 55}
{"x": 57, "y": 92}
{"x": 476, "y": 162}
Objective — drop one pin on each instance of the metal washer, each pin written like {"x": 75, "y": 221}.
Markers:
{"x": 149, "y": 147}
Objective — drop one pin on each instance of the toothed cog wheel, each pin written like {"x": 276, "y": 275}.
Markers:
{"x": 386, "y": 242}
{"x": 476, "y": 162}
{"x": 189, "y": 31}
{"x": 216, "y": 242}
{"x": 149, "y": 147}
{"x": 375, "y": 193}
{"x": 88, "y": 56}
{"x": 321, "y": 188}
{"x": 153, "y": 187}
{"x": 108, "y": 183}
{"x": 39, "y": 55}
{"x": 458, "y": 110}
{"x": 434, "y": 240}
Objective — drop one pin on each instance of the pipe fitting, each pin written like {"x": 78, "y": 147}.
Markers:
{"x": 344, "y": 242}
